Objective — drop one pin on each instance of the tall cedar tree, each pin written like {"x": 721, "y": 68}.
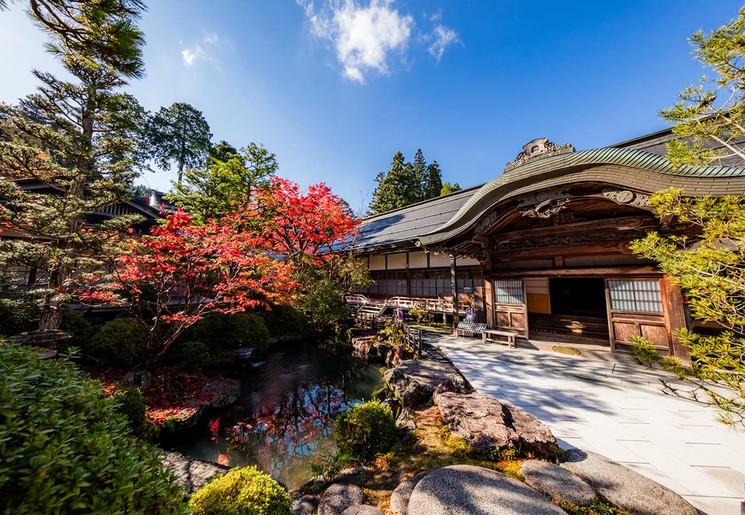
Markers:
{"x": 711, "y": 116}
{"x": 405, "y": 183}
{"x": 219, "y": 187}
{"x": 179, "y": 134}
{"x": 434, "y": 181}
{"x": 79, "y": 138}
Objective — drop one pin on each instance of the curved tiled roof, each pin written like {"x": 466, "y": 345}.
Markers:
{"x": 626, "y": 167}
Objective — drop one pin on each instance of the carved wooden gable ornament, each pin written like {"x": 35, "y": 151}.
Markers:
{"x": 540, "y": 147}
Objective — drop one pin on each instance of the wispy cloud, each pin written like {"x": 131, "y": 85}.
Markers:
{"x": 441, "y": 37}
{"x": 365, "y": 37}
{"x": 200, "y": 50}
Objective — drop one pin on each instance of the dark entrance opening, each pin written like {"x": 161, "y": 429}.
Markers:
{"x": 583, "y": 296}
{"x": 578, "y": 311}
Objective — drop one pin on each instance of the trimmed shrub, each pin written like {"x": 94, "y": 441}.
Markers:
{"x": 365, "y": 431}
{"x": 131, "y": 404}
{"x": 65, "y": 449}
{"x": 17, "y": 316}
{"x": 77, "y": 326}
{"x": 285, "y": 320}
{"x": 242, "y": 491}
{"x": 122, "y": 341}
{"x": 247, "y": 330}
{"x": 192, "y": 356}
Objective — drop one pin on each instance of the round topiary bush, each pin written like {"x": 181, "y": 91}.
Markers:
{"x": 247, "y": 330}
{"x": 122, "y": 341}
{"x": 192, "y": 356}
{"x": 242, "y": 491}
{"x": 65, "y": 449}
{"x": 365, "y": 431}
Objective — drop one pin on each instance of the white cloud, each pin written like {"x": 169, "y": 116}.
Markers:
{"x": 201, "y": 50}
{"x": 364, "y": 37}
{"x": 443, "y": 37}
{"x": 188, "y": 57}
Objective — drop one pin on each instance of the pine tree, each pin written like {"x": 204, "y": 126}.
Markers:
{"x": 711, "y": 116}
{"x": 79, "y": 138}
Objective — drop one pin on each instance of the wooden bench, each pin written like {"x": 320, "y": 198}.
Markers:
{"x": 488, "y": 334}
{"x": 469, "y": 328}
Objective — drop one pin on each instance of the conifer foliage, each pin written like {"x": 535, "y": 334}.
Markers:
{"x": 78, "y": 137}
{"x": 406, "y": 183}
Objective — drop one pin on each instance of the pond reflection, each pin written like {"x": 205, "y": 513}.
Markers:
{"x": 284, "y": 417}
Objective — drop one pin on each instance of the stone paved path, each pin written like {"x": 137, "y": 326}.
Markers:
{"x": 615, "y": 409}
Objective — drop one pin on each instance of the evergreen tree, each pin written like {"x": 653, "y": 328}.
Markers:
{"x": 222, "y": 151}
{"x": 105, "y": 29}
{"x": 434, "y": 181}
{"x": 79, "y": 137}
{"x": 711, "y": 116}
{"x": 419, "y": 175}
{"x": 396, "y": 188}
{"x": 448, "y": 188}
{"x": 179, "y": 134}
{"x": 215, "y": 190}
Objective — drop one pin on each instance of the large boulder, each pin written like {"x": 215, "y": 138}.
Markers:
{"x": 625, "y": 488}
{"x": 191, "y": 473}
{"x": 486, "y": 424}
{"x": 469, "y": 490}
{"x": 402, "y": 493}
{"x": 414, "y": 381}
{"x": 557, "y": 482}
{"x": 338, "y": 497}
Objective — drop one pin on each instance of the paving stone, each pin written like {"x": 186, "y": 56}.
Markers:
{"x": 624, "y": 487}
{"x": 557, "y": 482}
{"x": 469, "y": 490}
{"x": 401, "y": 495}
{"x": 338, "y": 497}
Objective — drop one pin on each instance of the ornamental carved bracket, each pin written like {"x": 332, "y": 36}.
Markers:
{"x": 628, "y": 198}
{"x": 545, "y": 209}
{"x": 538, "y": 148}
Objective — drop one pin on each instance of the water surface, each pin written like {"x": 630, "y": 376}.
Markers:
{"x": 284, "y": 417}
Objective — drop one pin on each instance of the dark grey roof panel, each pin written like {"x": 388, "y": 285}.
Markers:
{"x": 403, "y": 226}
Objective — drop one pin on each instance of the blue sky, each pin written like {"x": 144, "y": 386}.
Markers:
{"x": 335, "y": 87}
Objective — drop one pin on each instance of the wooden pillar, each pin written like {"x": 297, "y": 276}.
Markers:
{"x": 489, "y": 303}
{"x": 675, "y": 317}
{"x": 454, "y": 289}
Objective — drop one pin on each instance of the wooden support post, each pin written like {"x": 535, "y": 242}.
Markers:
{"x": 454, "y": 289}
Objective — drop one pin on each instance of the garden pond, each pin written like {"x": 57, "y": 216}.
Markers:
{"x": 283, "y": 419}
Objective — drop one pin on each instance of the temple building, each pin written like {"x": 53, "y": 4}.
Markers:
{"x": 543, "y": 249}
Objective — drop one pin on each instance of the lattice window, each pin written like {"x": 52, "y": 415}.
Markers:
{"x": 508, "y": 291}
{"x": 641, "y": 296}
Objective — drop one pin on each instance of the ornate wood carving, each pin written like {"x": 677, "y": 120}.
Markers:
{"x": 545, "y": 209}
{"x": 538, "y": 148}
{"x": 628, "y": 198}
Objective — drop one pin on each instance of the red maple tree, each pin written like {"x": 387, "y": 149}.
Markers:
{"x": 174, "y": 276}
{"x": 303, "y": 227}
